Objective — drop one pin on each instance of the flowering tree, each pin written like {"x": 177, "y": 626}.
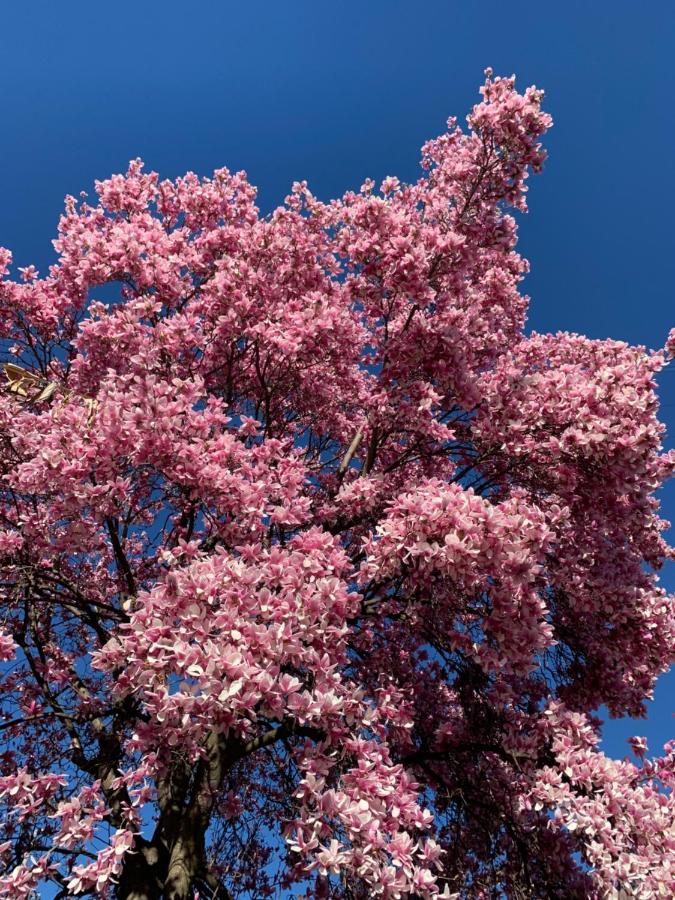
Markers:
{"x": 314, "y": 565}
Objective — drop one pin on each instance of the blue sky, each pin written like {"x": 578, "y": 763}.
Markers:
{"x": 335, "y": 92}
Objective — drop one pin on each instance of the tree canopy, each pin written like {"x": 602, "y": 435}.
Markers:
{"x": 315, "y": 565}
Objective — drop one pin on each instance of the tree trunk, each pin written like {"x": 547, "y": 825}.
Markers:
{"x": 142, "y": 877}
{"x": 187, "y": 856}
{"x": 184, "y": 865}
{"x": 167, "y": 867}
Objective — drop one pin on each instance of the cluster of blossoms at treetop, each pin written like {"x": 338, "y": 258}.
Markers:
{"x": 315, "y": 565}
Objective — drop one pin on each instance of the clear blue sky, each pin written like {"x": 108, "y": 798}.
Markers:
{"x": 334, "y": 92}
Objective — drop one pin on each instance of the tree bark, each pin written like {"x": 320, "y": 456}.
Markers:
{"x": 143, "y": 875}
{"x": 187, "y": 858}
